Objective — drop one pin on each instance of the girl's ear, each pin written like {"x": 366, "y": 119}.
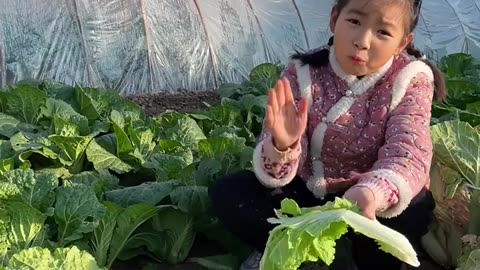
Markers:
{"x": 404, "y": 43}
{"x": 333, "y": 18}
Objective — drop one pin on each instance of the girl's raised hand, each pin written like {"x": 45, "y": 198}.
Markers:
{"x": 285, "y": 121}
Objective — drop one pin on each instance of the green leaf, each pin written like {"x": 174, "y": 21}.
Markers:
{"x": 7, "y": 164}
{"x": 227, "y": 131}
{"x": 109, "y": 142}
{"x": 72, "y": 148}
{"x": 27, "y": 143}
{"x": 8, "y": 125}
{"x": 67, "y": 121}
{"x": 99, "y": 127}
{"x": 246, "y": 158}
{"x": 6, "y": 150}
{"x": 474, "y": 108}
{"x": 456, "y": 145}
{"x": 312, "y": 235}
{"x": 102, "y": 159}
{"x": 220, "y": 147}
{"x": 459, "y": 88}
{"x": 228, "y": 150}
{"x": 178, "y": 233}
{"x": 186, "y": 131}
{"x": 124, "y": 145}
{"x": 3, "y": 101}
{"x": 86, "y": 105}
{"x": 101, "y": 100}
{"x": 265, "y": 71}
{"x": 169, "y": 236}
{"x": 57, "y": 172}
{"x": 77, "y": 212}
{"x": 37, "y": 258}
{"x": 455, "y": 65}
{"x": 207, "y": 171}
{"x": 35, "y": 190}
{"x": 149, "y": 193}
{"x": 57, "y": 107}
{"x": 57, "y": 90}
{"x": 24, "y": 226}
{"x": 175, "y": 148}
{"x": 100, "y": 182}
{"x": 103, "y": 233}
{"x": 32, "y": 259}
{"x": 166, "y": 167}
{"x": 127, "y": 222}
{"x": 64, "y": 127}
{"x": 191, "y": 199}
{"x": 290, "y": 207}
{"x": 262, "y": 78}
{"x": 169, "y": 120}
{"x": 24, "y": 103}
{"x": 472, "y": 262}
{"x": 471, "y": 114}
{"x": 143, "y": 140}
{"x": 225, "y": 116}
{"x": 255, "y": 107}
{"x": 229, "y": 90}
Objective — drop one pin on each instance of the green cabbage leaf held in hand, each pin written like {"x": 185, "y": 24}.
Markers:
{"x": 310, "y": 234}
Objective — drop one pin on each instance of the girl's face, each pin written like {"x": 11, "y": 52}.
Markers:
{"x": 368, "y": 33}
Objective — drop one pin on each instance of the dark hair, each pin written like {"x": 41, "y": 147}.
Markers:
{"x": 320, "y": 58}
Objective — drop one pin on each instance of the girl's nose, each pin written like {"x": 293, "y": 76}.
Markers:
{"x": 362, "y": 42}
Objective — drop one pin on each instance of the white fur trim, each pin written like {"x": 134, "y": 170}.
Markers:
{"x": 316, "y": 143}
{"x": 304, "y": 81}
{"x": 404, "y": 193}
{"x": 340, "y": 108}
{"x": 317, "y": 185}
{"x": 332, "y": 58}
{"x": 262, "y": 176}
{"x": 405, "y": 77}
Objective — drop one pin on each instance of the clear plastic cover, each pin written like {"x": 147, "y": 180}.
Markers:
{"x": 146, "y": 46}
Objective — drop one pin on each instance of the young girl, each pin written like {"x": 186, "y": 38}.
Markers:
{"x": 350, "y": 119}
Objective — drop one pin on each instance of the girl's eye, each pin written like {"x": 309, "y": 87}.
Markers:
{"x": 385, "y": 33}
{"x": 354, "y": 21}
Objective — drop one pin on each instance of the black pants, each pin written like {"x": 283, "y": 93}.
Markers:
{"x": 243, "y": 205}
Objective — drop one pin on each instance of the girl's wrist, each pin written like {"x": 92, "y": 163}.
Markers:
{"x": 365, "y": 189}
{"x": 283, "y": 147}
{"x": 365, "y": 192}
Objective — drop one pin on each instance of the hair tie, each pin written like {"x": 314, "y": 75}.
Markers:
{"x": 423, "y": 57}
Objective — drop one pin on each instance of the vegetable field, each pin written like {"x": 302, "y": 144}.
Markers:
{"x": 88, "y": 180}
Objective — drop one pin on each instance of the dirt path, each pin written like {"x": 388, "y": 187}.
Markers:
{"x": 183, "y": 101}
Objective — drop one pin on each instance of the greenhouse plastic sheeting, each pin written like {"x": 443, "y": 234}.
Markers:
{"x": 146, "y": 46}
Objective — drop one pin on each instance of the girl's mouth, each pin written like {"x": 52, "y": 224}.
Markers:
{"x": 357, "y": 60}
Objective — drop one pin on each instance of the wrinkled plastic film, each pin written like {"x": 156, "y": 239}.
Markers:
{"x": 450, "y": 25}
{"x": 146, "y": 46}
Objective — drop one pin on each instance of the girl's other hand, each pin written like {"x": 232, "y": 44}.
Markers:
{"x": 364, "y": 198}
{"x": 285, "y": 121}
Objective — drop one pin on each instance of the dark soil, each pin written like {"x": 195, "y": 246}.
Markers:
{"x": 181, "y": 101}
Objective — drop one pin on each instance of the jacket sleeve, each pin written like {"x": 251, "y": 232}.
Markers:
{"x": 275, "y": 168}
{"x": 403, "y": 164}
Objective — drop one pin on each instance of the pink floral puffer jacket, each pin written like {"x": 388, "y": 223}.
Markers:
{"x": 373, "y": 132}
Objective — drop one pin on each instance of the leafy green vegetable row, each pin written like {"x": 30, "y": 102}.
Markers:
{"x": 85, "y": 170}
{"x": 87, "y": 178}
